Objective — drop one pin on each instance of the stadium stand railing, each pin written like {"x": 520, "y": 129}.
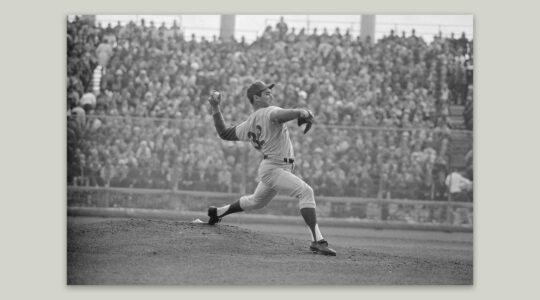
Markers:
{"x": 456, "y": 215}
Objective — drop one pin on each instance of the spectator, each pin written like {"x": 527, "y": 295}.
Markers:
{"x": 104, "y": 52}
{"x": 175, "y": 174}
{"x": 459, "y": 186}
{"x": 281, "y": 28}
{"x": 156, "y": 82}
{"x": 107, "y": 173}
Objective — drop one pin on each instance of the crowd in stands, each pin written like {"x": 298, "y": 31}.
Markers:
{"x": 384, "y": 106}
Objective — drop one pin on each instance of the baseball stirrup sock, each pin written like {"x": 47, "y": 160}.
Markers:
{"x": 229, "y": 209}
{"x": 310, "y": 217}
{"x": 318, "y": 234}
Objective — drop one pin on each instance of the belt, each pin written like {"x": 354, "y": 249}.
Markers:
{"x": 287, "y": 160}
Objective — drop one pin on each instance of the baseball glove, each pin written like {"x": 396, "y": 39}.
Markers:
{"x": 309, "y": 120}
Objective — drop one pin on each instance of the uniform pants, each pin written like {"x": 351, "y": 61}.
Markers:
{"x": 277, "y": 177}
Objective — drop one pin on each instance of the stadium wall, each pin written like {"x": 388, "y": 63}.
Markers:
{"x": 343, "y": 211}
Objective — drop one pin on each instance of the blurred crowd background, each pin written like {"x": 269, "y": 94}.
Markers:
{"x": 138, "y": 115}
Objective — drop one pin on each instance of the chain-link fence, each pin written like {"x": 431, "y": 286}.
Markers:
{"x": 344, "y": 161}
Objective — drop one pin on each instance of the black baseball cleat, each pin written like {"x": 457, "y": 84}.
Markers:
{"x": 322, "y": 248}
{"x": 212, "y": 213}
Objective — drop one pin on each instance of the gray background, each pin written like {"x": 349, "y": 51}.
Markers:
{"x": 506, "y": 206}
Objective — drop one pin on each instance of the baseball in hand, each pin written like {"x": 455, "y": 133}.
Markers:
{"x": 215, "y": 97}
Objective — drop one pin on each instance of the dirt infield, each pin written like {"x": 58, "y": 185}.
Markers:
{"x": 163, "y": 252}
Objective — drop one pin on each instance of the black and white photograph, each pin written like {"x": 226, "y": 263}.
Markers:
{"x": 270, "y": 150}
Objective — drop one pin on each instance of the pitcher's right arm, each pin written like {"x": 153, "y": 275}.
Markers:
{"x": 225, "y": 133}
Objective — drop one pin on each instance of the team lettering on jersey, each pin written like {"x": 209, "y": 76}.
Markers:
{"x": 255, "y": 137}
{"x": 270, "y": 138}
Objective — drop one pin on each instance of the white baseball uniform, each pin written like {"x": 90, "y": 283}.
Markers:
{"x": 275, "y": 171}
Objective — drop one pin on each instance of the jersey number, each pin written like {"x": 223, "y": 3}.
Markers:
{"x": 255, "y": 138}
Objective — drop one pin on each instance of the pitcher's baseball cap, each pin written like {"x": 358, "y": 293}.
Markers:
{"x": 256, "y": 88}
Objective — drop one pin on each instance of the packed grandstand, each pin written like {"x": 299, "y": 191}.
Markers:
{"x": 138, "y": 115}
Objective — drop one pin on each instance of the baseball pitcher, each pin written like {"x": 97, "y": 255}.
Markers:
{"x": 267, "y": 132}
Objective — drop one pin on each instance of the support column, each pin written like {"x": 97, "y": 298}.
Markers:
{"x": 227, "y": 27}
{"x": 367, "y": 27}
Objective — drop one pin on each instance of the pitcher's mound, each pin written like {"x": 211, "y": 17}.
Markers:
{"x": 162, "y": 252}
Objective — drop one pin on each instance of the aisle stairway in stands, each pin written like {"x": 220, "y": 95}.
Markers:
{"x": 456, "y": 119}
{"x": 462, "y": 140}
{"x": 96, "y": 80}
